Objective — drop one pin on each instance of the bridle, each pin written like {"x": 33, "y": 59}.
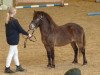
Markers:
{"x": 32, "y": 35}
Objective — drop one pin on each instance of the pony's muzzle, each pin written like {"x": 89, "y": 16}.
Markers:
{"x": 31, "y": 26}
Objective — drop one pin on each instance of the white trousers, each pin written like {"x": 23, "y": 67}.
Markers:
{"x": 13, "y": 53}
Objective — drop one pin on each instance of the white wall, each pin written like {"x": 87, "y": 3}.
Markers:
{"x": 0, "y": 2}
{"x": 6, "y": 3}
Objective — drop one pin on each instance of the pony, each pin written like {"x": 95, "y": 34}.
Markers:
{"x": 54, "y": 35}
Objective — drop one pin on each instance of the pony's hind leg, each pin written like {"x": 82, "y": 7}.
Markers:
{"x": 73, "y": 44}
{"x": 84, "y": 57}
{"x": 82, "y": 49}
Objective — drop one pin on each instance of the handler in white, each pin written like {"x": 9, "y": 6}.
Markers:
{"x": 13, "y": 29}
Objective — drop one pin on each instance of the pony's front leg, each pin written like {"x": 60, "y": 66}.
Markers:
{"x": 48, "y": 55}
{"x": 52, "y": 57}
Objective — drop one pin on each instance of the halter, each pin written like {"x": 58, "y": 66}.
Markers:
{"x": 37, "y": 20}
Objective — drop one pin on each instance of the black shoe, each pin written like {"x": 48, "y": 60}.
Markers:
{"x": 8, "y": 70}
{"x": 19, "y": 68}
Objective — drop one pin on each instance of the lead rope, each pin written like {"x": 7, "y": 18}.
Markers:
{"x": 29, "y": 38}
{"x": 26, "y": 40}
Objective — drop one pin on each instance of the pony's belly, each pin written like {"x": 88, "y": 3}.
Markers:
{"x": 62, "y": 39}
{"x": 61, "y": 42}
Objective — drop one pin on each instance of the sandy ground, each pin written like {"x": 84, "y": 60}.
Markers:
{"x": 34, "y": 59}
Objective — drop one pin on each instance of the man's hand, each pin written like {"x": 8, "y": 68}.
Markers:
{"x": 29, "y": 35}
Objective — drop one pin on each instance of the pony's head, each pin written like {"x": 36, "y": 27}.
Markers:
{"x": 37, "y": 20}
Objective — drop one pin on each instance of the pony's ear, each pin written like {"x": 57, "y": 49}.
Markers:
{"x": 35, "y": 11}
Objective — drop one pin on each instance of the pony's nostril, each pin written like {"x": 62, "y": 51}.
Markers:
{"x": 31, "y": 26}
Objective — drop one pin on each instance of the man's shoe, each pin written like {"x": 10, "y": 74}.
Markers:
{"x": 8, "y": 70}
{"x": 19, "y": 68}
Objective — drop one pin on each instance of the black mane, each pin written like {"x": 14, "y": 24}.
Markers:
{"x": 46, "y": 15}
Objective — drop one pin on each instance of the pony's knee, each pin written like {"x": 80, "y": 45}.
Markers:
{"x": 82, "y": 49}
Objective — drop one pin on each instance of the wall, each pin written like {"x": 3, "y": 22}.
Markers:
{"x": 30, "y": 2}
{"x": 82, "y": 0}
{"x": 0, "y": 2}
{"x": 8, "y": 2}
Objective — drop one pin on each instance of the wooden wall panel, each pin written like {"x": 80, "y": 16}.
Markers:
{"x": 29, "y": 2}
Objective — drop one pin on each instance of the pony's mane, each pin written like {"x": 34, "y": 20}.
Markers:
{"x": 46, "y": 15}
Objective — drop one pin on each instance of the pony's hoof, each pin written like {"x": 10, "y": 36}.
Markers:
{"x": 49, "y": 66}
{"x": 75, "y": 62}
{"x": 85, "y": 63}
{"x": 52, "y": 66}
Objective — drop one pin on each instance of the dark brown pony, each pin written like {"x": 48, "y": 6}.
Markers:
{"x": 54, "y": 35}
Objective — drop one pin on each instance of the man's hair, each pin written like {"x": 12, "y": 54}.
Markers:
{"x": 10, "y": 10}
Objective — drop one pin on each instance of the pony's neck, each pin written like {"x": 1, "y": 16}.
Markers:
{"x": 47, "y": 26}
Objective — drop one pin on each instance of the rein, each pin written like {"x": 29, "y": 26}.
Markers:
{"x": 32, "y": 35}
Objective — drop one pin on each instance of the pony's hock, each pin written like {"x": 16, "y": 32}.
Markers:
{"x": 54, "y": 35}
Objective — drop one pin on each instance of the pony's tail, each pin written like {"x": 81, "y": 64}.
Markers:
{"x": 84, "y": 40}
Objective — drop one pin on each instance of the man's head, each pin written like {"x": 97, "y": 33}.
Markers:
{"x": 12, "y": 11}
